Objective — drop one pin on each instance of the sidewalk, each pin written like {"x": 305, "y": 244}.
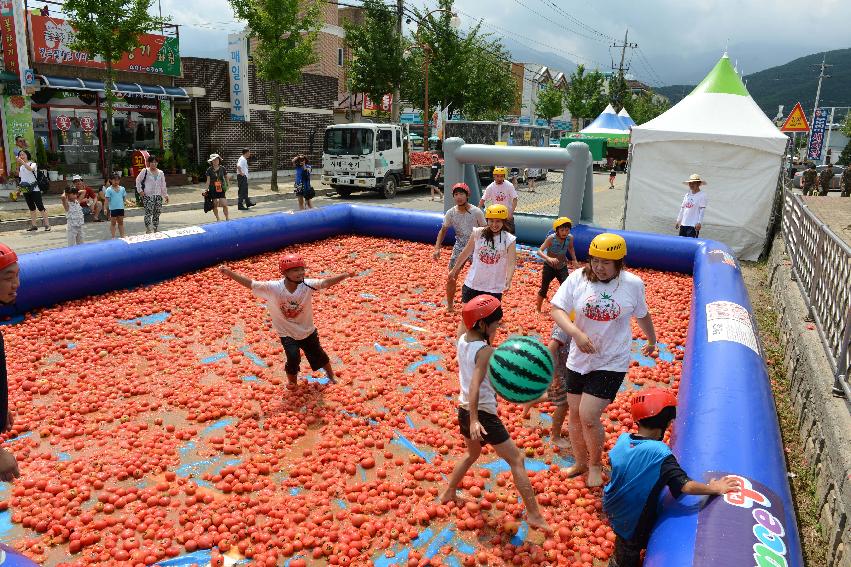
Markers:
{"x": 14, "y": 215}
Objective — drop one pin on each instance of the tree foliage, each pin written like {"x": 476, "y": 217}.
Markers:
{"x": 846, "y": 125}
{"x": 585, "y": 97}
{"x": 377, "y": 63}
{"x": 286, "y": 32}
{"x": 619, "y": 93}
{"x": 550, "y": 103}
{"x": 646, "y": 106}
{"x": 109, "y": 29}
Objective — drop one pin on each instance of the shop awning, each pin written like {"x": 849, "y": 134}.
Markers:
{"x": 76, "y": 84}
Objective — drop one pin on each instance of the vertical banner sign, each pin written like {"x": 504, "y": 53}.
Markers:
{"x": 167, "y": 121}
{"x": 10, "y": 46}
{"x": 817, "y": 136}
{"x": 238, "y": 73}
{"x": 17, "y": 121}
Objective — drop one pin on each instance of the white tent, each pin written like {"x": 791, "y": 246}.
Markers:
{"x": 626, "y": 118}
{"x": 719, "y": 132}
{"x": 607, "y": 123}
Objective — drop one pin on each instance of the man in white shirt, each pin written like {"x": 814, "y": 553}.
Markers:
{"x": 242, "y": 201}
{"x": 501, "y": 192}
{"x": 690, "y": 217}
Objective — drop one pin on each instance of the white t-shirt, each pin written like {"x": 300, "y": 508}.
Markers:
{"x": 74, "y": 216}
{"x": 603, "y": 312}
{"x": 463, "y": 223}
{"x": 242, "y": 166}
{"x": 28, "y": 176}
{"x": 490, "y": 262}
{"x": 502, "y": 194}
{"x": 691, "y": 211}
{"x": 467, "y": 352}
{"x": 292, "y": 313}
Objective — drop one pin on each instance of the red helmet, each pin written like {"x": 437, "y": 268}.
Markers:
{"x": 650, "y": 402}
{"x": 290, "y": 261}
{"x": 462, "y": 187}
{"x": 478, "y": 308}
{"x": 7, "y": 257}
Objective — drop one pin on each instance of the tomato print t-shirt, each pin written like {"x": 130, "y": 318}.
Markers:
{"x": 490, "y": 262}
{"x": 603, "y": 312}
{"x": 291, "y": 312}
{"x": 502, "y": 194}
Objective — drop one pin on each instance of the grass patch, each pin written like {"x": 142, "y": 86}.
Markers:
{"x": 802, "y": 476}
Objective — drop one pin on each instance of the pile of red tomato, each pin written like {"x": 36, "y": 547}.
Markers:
{"x": 139, "y": 442}
{"x": 421, "y": 158}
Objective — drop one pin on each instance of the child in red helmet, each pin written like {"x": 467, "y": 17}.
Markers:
{"x": 477, "y": 413}
{"x": 289, "y": 302}
{"x": 641, "y": 466}
{"x": 9, "y": 282}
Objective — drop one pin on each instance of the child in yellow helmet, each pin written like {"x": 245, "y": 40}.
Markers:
{"x": 554, "y": 251}
{"x": 501, "y": 192}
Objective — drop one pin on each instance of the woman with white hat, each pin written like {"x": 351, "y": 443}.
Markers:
{"x": 217, "y": 184}
{"x": 690, "y": 218}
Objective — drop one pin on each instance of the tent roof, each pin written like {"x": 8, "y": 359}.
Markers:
{"x": 607, "y": 123}
{"x": 718, "y": 110}
{"x": 626, "y": 118}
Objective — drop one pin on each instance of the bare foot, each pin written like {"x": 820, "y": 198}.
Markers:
{"x": 527, "y": 409}
{"x": 450, "y": 307}
{"x": 452, "y": 496}
{"x": 595, "y": 476}
{"x": 538, "y": 523}
{"x": 561, "y": 443}
{"x": 292, "y": 383}
{"x": 576, "y": 470}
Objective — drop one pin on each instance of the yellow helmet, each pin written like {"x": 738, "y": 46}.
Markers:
{"x": 500, "y": 171}
{"x": 562, "y": 221}
{"x": 496, "y": 212}
{"x": 608, "y": 246}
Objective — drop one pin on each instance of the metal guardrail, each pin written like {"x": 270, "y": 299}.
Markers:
{"x": 821, "y": 264}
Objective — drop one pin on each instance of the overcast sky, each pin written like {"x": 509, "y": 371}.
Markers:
{"x": 679, "y": 41}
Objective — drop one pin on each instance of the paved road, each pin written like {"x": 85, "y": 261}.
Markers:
{"x": 608, "y": 206}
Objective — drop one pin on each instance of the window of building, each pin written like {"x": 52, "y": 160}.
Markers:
{"x": 340, "y": 56}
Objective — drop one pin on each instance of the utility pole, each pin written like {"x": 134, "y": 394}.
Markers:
{"x": 395, "y": 109}
{"x": 821, "y": 77}
{"x": 620, "y": 68}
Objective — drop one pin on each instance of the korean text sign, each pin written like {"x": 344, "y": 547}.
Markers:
{"x": 238, "y": 74}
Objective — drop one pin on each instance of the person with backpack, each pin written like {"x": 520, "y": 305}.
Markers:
{"x": 33, "y": 184}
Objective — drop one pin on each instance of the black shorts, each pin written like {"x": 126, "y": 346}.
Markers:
{"x": 116, "y": 213}
{"x": 312, "y": 350}
{"x": 688, "y": 231}
{"x": 548, "y": 274}
{"x": 34, "y": 201}
{"x": 468, "y": 293}
{"x": 496, "y": 433}
{"x": 602, "y": 384}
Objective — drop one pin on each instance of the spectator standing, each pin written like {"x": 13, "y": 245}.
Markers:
{"x": 217, "y": 185}
{"x": 91, "y": 202}
{"x": 116, "y": 197}
{"x": 690, "y": 217}
{"x": 242, "y": 200}
{"x": 808, "y": 179}
{"x": 432, "y": 180}
{"x": 532, "y": 175}
{"x": 501, "y": 192}
{"x": 612, "y": 175}
{"x": 9, "y": 282}
{"x": 150, "y": 183}
{"x": 74, "y": 215}
{"x": 846, "y": 181}
{"x": 302, "y": 181}
{"x": 825, "y": 178}
{"x": 29, "y": 187}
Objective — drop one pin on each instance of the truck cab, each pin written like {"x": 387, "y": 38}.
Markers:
{"x": 364, "y": 156}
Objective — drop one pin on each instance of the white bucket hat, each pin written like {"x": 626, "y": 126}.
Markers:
{"x": 212, "y": 157}
{"x": 694, "y": 177}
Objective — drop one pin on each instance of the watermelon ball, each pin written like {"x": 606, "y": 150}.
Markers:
{"x": 521, "y": 369}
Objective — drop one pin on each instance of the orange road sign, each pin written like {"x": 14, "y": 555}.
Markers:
{"x": 796, "y": 121}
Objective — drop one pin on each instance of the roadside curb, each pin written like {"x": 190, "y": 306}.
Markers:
{"x": 60, "y": 220}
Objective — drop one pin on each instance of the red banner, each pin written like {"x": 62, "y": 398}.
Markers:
{"x": 10, "y": 46}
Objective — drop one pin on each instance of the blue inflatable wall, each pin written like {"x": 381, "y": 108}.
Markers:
{"x": 726, "y": 420}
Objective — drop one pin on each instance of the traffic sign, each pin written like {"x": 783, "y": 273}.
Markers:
{"x": 796, "y": 121}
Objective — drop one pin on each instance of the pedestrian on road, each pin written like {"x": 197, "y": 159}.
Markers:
{"x": 9, "y": 281}
{"x": 302, "y": 181}
{"x": 307, "y": 190}
{"x": 89, "y": 200}
{"x": 532, "y": 175}
{"x": 602, "y": 298}
{"x": 808, "y": 179}
{"x": 846, "y": 181}
{"x": 825, "y": 178}
{"x": 74, "y": 216}
{"x": 612, "y": 175}
{"x": 150, "y": 183}
{"x": 432, "y": 180}
{"x": 116, "y": 197}
{"x": 501, "y": 192}
{"x": 463, "y": 218}
{"x": 690, "y": 217}
{"x": 242, "y": 200}
{"x": 27, "y": 170}
{"x": 217, "y": 185}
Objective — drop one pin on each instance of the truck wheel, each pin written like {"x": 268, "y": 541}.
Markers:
{"x": 344, "y": 192}
{"x": 389, "y": 189}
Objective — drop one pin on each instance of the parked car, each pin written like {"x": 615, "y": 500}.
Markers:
{"x": 834, "y": 184}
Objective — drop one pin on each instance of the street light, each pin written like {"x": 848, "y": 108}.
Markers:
{"x": 455, "y": 22}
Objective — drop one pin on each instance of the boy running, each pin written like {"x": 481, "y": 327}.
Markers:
{"x": 641, "y": 466}
{"x": 290, "y": 306}
{"x": 463, "y": 217}
{"x": 477, "y": 412}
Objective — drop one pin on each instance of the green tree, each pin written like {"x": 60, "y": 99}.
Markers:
{"x": 377, "y": 63}
{"x": 845, "y": 156}
{"x": 585, "y": 97}
{"x": 619, "y": 93}
{"x": 846, "y": 125}
{"x": 286, "y": 32}
{"x": 550, "y": 103}
{"x": 109, "y": 29}
{"x": 646, "y": 106}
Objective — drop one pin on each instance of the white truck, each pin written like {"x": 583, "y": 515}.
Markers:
{"x": 372, "y": 157}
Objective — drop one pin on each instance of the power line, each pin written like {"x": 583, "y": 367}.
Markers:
{"x": 603, "y": 37}
{"x": 649, "y": 67}
{"x": 545, "y": 18}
